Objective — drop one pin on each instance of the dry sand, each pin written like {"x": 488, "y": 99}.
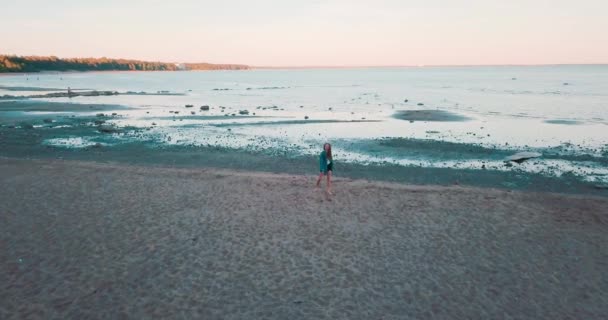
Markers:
{"x": 83, "y": 240}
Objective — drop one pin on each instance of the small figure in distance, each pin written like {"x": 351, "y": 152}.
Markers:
{"x": 326, "y": 166}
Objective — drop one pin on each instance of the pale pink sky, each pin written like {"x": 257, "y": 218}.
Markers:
{"x": 315, "y": 32}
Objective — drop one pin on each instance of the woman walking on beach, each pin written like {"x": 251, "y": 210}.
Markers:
{"x": 325, "y": 166}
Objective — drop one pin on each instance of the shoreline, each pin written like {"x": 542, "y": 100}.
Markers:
{"x": 166, "y": 168}
{"x": 47, "y": 130}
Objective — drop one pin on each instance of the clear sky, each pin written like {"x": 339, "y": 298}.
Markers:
{"x": 311, "y": 33}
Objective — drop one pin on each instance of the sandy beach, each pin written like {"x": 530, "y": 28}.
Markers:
{"x": 165, "y": 165}
{"x": 84, "y": 240}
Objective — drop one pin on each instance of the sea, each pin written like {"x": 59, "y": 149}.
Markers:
{"x": 559, "y": 110}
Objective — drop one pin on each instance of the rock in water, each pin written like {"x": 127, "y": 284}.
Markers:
{"x": 47, "y": 120}
{"x": 305, "y": 117}
{"x": 523, "y": 156}
{"x": 108, "y": 129}
{"x": 420, "y": 104}
{"x": 189, "y": 106}
{"x": 205, "y": 108}
{"x": 244, "y": 112}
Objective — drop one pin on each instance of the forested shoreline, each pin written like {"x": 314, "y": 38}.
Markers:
{"x": 10, "y": 63}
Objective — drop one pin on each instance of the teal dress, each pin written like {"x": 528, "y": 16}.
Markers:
{"x": 324, "y": 163}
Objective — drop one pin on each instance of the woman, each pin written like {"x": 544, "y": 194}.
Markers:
{"x": 325, "y": 166}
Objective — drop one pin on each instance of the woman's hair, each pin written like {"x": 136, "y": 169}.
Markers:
{"x": 328, "y": 153}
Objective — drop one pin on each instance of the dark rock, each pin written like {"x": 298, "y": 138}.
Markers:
{"x": 189, "y": 106}
{"x": 47, "y": 120}
{"x": 244, "y": 112}
{"x": 420, "y": 103}
{"x": 192, "y": 112}
{"x": 100, "y": 115}
{"x": 114, "y": 113}
{"x": 523, "y": 156}
{"x": 99, "y": 122}
{"x": 108, "y": 129}
{"x": 305, "y": 117}
{"x": 405, "y": 100}
{"x": 205, "y": 108}
{"x": 27, "y": 125}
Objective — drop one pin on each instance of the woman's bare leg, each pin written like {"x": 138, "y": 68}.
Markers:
{"x": 319, "y": 179}
{"x": 329, "y": 182}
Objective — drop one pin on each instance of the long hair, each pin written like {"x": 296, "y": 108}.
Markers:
{"x": 328, "y": 152}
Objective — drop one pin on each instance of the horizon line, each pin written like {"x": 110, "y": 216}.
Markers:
{"x": 328, "y": 66}
{"x": 425, "y": 65}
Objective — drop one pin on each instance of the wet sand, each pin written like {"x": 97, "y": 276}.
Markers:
{"x": 34, "y": 105}
{"x": 429, "y": 115}
{"x": 562, "y": 121}
{"x": 88, "y": 240}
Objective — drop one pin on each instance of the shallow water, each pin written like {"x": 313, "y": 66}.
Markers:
{"x": 512, "y": 108}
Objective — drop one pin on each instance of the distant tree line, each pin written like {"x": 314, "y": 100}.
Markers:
{"x": 38, "y": 64}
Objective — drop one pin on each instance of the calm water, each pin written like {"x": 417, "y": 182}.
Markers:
{"x": 541, "y": 107}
